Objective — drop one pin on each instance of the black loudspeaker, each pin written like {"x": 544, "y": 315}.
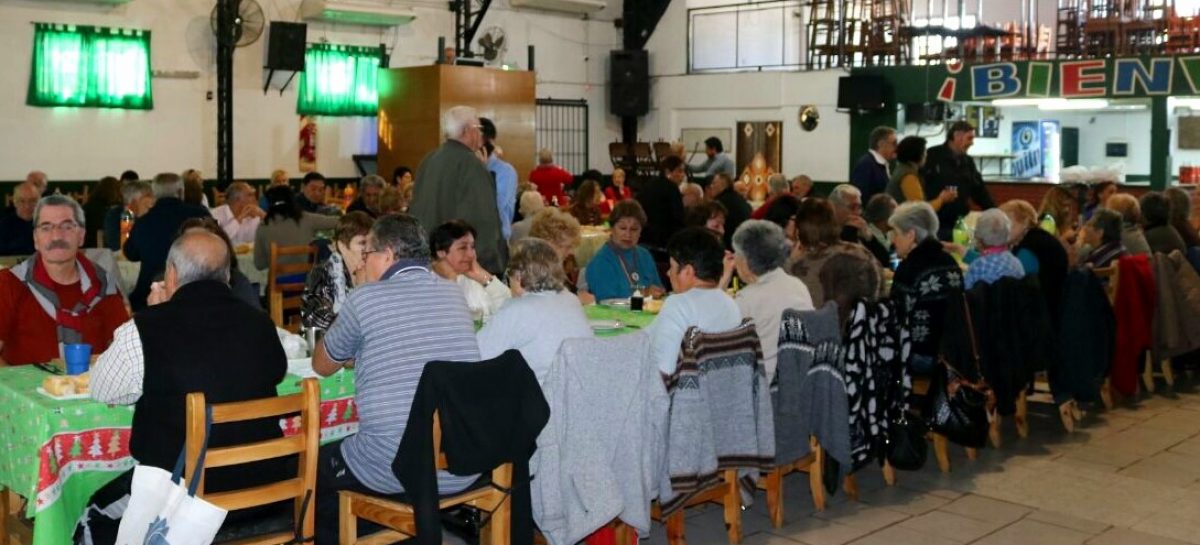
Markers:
{"x": 629, "y": 83}
{"x": 285, "y": 46}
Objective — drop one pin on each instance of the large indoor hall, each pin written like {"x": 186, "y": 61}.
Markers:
{"x": 600, "y": 272}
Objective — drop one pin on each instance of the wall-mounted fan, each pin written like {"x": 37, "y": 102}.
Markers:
{"x": 809, "y": 117}
{"x": 248, "y": 24}
{"x": 492, "y": 43}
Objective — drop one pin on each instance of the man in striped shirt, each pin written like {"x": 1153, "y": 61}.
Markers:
{"x": 388, "y": 329}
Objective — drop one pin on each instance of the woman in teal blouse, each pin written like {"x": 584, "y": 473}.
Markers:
{"x": 621, "y": 266}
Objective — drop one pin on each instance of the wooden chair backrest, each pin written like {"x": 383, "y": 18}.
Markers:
{"x": 283, "y": 297}
{"x": 305, "y": 444}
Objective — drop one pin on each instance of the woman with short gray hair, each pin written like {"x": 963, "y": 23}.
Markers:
{"x": 992, "y": 234}
{"x": 541, "y": 314}
{"x": 760, "y": 250}
{"x": 926, "y": 280}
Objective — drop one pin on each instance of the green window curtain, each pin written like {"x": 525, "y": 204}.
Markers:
{"x": 84, "y": 66}
{"x": 339, "y": 80}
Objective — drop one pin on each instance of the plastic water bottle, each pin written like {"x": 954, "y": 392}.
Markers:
{"x": 1049, "y": 225}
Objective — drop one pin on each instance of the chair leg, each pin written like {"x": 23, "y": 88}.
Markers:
{"x": 1168, "y": 373}
{"x": 1148, "y": 374}
{"x": 850, "y": 484}
{"x": 972, "y": 453}
{"x": 1066, "y": 414}
{"x": 889, "y": 473}
{"x": 733, "y": 508}
{"x": 347, "y": 522}
{"x": 674, "y": 524}
{"x": 816, "y": 479}
{"x": 1106, "y": 394}
{"x": 994, "y": 430}
{"x": 1022, "y": 416}
{"x": 774, "y": 482}
{"x": 941, "y": 449}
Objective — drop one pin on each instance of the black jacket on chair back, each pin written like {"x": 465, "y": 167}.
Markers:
{"x": 206, "y": 340}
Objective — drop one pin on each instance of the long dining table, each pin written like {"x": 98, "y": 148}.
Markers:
{"x": 58, "y": 452}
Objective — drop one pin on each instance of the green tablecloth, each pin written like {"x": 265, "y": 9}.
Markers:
{"x": 633, "y": 320}
{"x": 58, "y": 453}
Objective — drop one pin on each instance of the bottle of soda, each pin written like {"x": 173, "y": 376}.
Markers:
{"x": 126, "y": 225}
{"x": 962, "y": 236}
{"x": 1049, "y": 225}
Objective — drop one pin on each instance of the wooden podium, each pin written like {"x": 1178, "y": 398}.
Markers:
{"x": 412, "y": 101}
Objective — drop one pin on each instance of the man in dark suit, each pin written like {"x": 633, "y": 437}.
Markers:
{"x": 151, "y": 236}
{"x": 661, "y": 200}
{"x": 949, "y": 167}
{"x": 737, "y": 210}
{"x": 871, "y": 173}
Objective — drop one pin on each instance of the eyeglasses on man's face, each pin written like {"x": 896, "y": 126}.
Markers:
{"x": 64, "y": 227}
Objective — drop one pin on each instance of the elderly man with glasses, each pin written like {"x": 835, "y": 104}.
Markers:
{"x": 57, "y": 296}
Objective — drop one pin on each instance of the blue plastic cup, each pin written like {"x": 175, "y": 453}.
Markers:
{"x": 78, "y": 356}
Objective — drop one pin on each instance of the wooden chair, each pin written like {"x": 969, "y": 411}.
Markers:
{"x": 772, "y": 482}
{"x": 398, "y": 517}
{"x": 941, "y": 445}
{"x": 1110, "y": 275}
{"x": 724, "y": 492}
{"x": 301, "y": 488}
{"x": 284, "y": 298}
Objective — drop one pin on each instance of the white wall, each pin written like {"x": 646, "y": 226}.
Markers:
{"x": 680, "y": 101}
{"x": 180, "y": 132}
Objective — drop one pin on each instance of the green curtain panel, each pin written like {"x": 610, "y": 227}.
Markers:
{"x": 339, "y": 80}
{"x": 84, "y": 66}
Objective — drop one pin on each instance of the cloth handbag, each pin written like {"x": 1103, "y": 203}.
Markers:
{"x": 162, "y": 511}
{"x": 960, "y": 407}
{"x": 907, "y": 447}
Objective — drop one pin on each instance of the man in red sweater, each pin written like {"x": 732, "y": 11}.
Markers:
{"x": 550, "y": 178}
{"x": 57, "y": 296}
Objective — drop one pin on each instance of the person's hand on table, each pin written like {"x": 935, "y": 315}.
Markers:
{"x": 585, "y": 297}
{"x": 656, "y": 292}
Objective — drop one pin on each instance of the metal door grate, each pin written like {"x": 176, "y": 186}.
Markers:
{"x": 562, "y": 126}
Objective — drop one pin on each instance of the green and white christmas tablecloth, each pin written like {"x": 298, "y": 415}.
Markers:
{"x": 56, "y": 454}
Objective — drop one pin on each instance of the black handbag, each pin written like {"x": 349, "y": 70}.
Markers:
{"x": 960, "y": 407}
{"x": 907, "y": 447}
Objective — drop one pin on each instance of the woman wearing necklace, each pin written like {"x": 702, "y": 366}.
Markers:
{"x": 621, "y": 266}
{"x": 453, "y": 247}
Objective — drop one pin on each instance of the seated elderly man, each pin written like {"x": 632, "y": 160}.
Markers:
{"x": 995, "y": 261}
{"x": 151, "y": 236}
{"x": 138, "y": 197}
{"x": 927, "y": 279}
{"x": 166, "y": 352}
{"x": 777, "y": 186}
{"x": 1103, "y": 235}
{"x": 370, "y": 188}
{"x": 697, "y": 261}
{"x": 691, "y": 193}
{"x": 848, "y": 211}
{"x": 388, "y": 330}
{"x": 16, "y": 225}
{"x": 57, "y": 296}
{"x": 760, "y": 250}
{"x": 541, "y": 314}
{"x": 240, "y": 215}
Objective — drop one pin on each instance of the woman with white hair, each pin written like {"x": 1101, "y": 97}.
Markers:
{"x": 925, "y": 281}
{"x": 529, "y": 205}
{"x": 760, "y": 250}
{"x": 541, "y": 314}
{"x": 992, "y": 235}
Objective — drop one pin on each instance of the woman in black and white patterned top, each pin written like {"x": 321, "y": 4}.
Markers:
{"x": 926, "y": 279}
{"x": 330, "y": 282}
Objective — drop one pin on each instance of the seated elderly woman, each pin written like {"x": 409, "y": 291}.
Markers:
{"x": 760, "y": 249}
{"x": 1179, "y": 208}
{"x": 541, "y": 314}
{"x": 286, "y": 225}
{"x": 586, "y": 204}
{"x": 925, "y": 281}
{"x": 453, "y": 247}
{"x": 1131, "y": 222}
{"x": 818, "y": 239}
{"x": 1040, "y": 252}
{"x": 1161, "y": 236}
{"x": 529, "y": 205}
{"x": 1103, "y": 234}
{"x": 992, "y": 232}
{"x": 561, "y": 230}
{"x": 621, "y": 266}
{"x": 330, "y": 282}
{"x": 709, "y": 215}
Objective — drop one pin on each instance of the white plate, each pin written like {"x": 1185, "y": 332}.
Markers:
{"x": 606, "y": 325}
{"x": 615, "y": 302}
{"x": 67, "y": 397}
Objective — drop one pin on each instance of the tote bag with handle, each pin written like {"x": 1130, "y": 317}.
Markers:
{"x": 162, "y": 511}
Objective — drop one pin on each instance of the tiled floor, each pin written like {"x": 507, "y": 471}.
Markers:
{"x": 1130, "y": 476}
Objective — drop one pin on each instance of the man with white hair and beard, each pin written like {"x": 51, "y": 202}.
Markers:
{"x": 454, "y": 183}
{"x": 57, "y": 296}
